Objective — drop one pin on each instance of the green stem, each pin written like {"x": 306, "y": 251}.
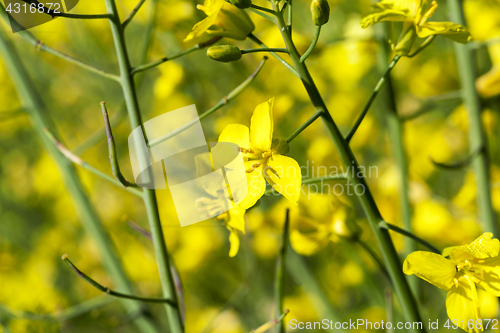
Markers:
{"x": 430, "y": 103}
{"x": 78, "y": 161}
{"x": 389, "y": 254}
{"x": 270, "y": 324}
{"x": 40, "y": 120}
{"x": 395, "y": 132}
{"x": 312, "y": 46}
{"x": 305, "y": 125}
{"x": 281, "y": 271}
{"x": 113, "y": 158}
{"x": 412, "y": 236}
{"x": 131, "y": 15}
{"x": 263, "y": 9}
{"x": 477, "y": 137}
{"x": 265, "y": 49}
{"x": 155, "y": 63}
{"x": 7, "y": 115}
{"x": 108, "y": 291}
{"x": 225, "y": 100}
{"x": 375, "y": 92}
{"x": 422, "y": 46}
{"x": 280, "y": 59}
{"x": 149, "y": 197}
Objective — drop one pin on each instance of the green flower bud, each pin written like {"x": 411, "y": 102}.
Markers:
{"x": 242, "y": 4}
{"x": 280, "y": 146}
{"x": 224, "y": 53}
{"x": 320, "y": 10}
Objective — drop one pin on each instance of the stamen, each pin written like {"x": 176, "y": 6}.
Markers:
{"x": 267, "y": 154}
{"x": 246, "y": 150}
{"x": 253, "y": 167}
{"x": 455, "y": 281}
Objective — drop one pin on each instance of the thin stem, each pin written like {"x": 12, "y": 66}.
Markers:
{"x": 108, "y": 291}
{"x": 410, "y": 235}
{"x": 158, "y": 62}
{"x": 262, "y": 14}
{"x": 375, "y": 257}
{"x": 78, "y": 161}
{"x": 305, "y": 125}
{"x": 55, "y": 13}
{"x": 477, "y": 137}
{"x": 422, "y": 46}
{"x": 280, "y": 59}
{"x": 134, "y": 11}
{"x": 63, "y": 315}
{"x": 427, "y": 105}
{"x": 307, "y": 181}
{"x": 459, "y": 164}
{"x": 225, "y": 100}
{"x": 263, "y": 9}
{"x": 389, "y": 254}
{"x": 265, "y": 49}
{"x": 84, "y": 209}
{"x": 279, "y": 284}
{"x": 40, "y": 46}
{"x": 8, "y": 115}
{"x": 129, "y": 91}
{"x": 312, "y": 46}
{"x": 115, "y": 166}
{"x": 395, "y": 131}
{"x": 271, "y": 324}
{"x": 375, "y": 92}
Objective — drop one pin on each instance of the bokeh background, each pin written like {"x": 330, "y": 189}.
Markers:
{"x": 38, "y": 222}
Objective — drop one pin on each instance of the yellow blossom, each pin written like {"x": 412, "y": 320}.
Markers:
{"x": 414, "y": 16}
{"x": 263, "y": 157}
{"x": 225, "y": 20}
{"x": 488, "y": 85}
{"x": 461, "y": 269}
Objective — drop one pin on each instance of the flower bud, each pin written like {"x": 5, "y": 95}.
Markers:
{"x": 280, "y": 146}
{"x": 346, "y": 227}
{"x": 242, "y": 4}
{"x": 224, "y": 53}
{"x": 405, "y": 43}
{"x": 320, "y": 10}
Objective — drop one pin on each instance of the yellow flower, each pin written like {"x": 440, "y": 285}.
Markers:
{"x": 262, "y": 156}
{"x": 414, "y": 17}
{"x": 227, "y": 20}
{"x": 488, "y": 85}
{"x": 460, "y": 269}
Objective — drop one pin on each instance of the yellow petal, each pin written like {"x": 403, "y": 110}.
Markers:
{"x": 237, "y": 218}
{"x": 387, "y": 10}
{"x": 284, "y": 175}
{"x": 455, "y": 32}
{"x": 462, "y": 303}
{"x": 234, "y": 240}
{"x": 201, "y": 27}
{"x": 234, "y": 22}
{"x": 482, "y": 247}
{"x": 237, "y": 134}
{"x": 261, "y": 126}
{"x": 430, "y": 267}
{"x": 488, "y": 85}
{"x": 210, "y": 7}
{"x": 490, "y": 279}
{"x": 256, "y": 188}
{"x": 307, "y": 244}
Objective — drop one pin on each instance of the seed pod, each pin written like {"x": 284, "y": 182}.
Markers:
{"x": 242, "y": 4}
{"x": 320, "y": 10}
{"x": 224, "y": 53}
{"x": 280, "y": 146}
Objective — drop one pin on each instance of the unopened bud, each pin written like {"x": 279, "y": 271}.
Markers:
{"x": 346, "y": 228}
{"x": 242, "y": 4}
{"x": 320, "y": 10}
{"x": 224, "y": 53}
{"x": 406, "y": 42}
{"x": 280, "y": 146}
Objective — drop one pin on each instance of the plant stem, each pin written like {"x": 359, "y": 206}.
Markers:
{"x": 281, "y": 272}
{"x": 108, "y": 291}
{"x": 149, "y": 197}
{"x": 265, "y": 49}
{"x": 78, "y": 161}
{"x": 115, "y": 166}
{"x": 412, "y": 236}
{"x": 270, "y": 324}
{"x": 375, "y": 92}
{"x": 280, "y": 59}
{"x": 305, "y": 125}
{"x": 477, "y": 138}
{"x": 40, "y": 120}
{"x": 312, "y": 46}
{"x": 395, "y": 132}
{"x": 225, "y": 100}
{"x": 134, "y": 11}
{"x": 153, "y": 64}
{"x": 391, "y": 259}
{"x": 263, "y": 9}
